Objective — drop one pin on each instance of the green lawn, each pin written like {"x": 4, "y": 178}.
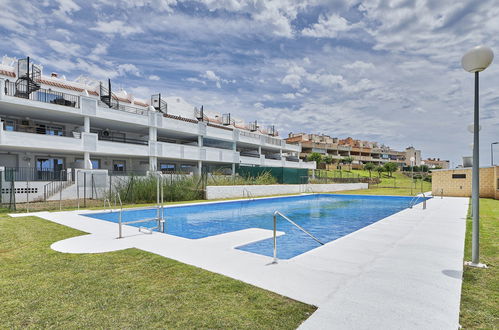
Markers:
{"x": 480, "y": 291}
{"x": 41, "y": 288}
{"x": 397, "y": 180}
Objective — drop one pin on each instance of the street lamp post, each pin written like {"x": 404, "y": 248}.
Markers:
{"x": 492, "y": 153}
{"x": 474, "y": 61}
{"x": 412, "y": 172}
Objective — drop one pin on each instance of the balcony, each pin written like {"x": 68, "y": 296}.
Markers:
{"x": 124, "y": 108}
{"x": 44, "y": 95}
{"x": 123, "y": 140}
{"x": 29, "y": 137}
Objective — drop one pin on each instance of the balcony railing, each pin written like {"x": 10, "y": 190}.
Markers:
{"x": 43, "y": 95}
{"x": 125, "y": 108}
{"x": 246, "y": 153}
{"x": 37, "y": 129}
{"x": 34, "y": 174}
{"x": 270, "y": 140}
{"x": 249, "y": 134}
{"x": 123, "y": 140}
{"x": 273, "y": 156}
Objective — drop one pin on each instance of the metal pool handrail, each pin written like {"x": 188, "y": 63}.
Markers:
{"x": 248, "y": 193}
{"x": 276, "y": 213}
{"x": 415, "y": 199}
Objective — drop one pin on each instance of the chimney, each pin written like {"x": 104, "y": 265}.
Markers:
{"x": 54, "y": 75}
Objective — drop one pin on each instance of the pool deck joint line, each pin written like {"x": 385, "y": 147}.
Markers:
{"x": 404, "y": 271}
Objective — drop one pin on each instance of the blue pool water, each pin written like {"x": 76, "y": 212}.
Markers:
{"x": 326, "y": 216}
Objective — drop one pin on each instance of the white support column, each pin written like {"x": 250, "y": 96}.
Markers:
{"x": 86, "y": 124}
{"x": 234, "y": 149}
{"x": 153, "y": 159}
{"x": 86, "y": 161}
{"x": 200, "y": 167}
{"x": 86, "y": 155}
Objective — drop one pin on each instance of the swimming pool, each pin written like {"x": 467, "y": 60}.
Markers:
{"x": 326, "y": 216}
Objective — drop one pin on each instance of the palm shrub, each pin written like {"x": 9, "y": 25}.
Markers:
{"x": 390, "y": 168}
{"x": 379, "y": 169}
{"x": 369, "y": 167}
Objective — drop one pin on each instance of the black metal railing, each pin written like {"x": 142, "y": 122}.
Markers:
{"x": 42, "y": 95}
{"x": 246, "y": 153}
{"x": 123, "y": 140}
{"x": 292, "y": 159}
{"x": 34, "y": 174}
{"x": 273, "y": 156}
{"x": 118, "y": 106}
{"x": 37, "y": 129}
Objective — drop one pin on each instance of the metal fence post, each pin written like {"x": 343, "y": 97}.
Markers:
{"x": 60, "y": 192}
{"x": 275, "y": 239}
{"x": 84, "y": 189}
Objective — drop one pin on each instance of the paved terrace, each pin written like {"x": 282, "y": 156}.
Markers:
{"x": 402, "y": 272}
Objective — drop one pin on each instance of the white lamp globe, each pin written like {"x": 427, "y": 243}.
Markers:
{"x": 471, "y": 128}
{"x": 477, "y": 59}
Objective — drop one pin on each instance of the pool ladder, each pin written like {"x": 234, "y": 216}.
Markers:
{"x": 160, "y": 212}
{"x": 276, "y": 213}
{"x": 248, "y": 194}
{"x": 415, "y": 200}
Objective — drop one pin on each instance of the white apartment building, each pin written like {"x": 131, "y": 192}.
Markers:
{"x": 49, "y": 123}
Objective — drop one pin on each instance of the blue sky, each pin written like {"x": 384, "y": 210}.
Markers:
{"x": 387, "y": 71}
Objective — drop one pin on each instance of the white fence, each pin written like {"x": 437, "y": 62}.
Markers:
{"x": 219, "y": 192}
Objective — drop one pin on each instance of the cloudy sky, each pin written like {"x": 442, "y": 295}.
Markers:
{"x": 387, "y": 71}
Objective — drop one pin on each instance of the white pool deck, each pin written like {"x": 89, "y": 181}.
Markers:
{"x": 402, "y": 272}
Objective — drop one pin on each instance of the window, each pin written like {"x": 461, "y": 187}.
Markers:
{"x": 54, "y": 130}
{"x": 186, "y": 167}
{"x": 95, "y": 162}
{"x": 119, "y": 165}
{"x": 165, "y": 167}
{"x": 8, "y": 124}
{"x": 459, "y": 176}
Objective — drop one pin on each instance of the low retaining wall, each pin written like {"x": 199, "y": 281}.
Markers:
{"x": 219, "y": 192}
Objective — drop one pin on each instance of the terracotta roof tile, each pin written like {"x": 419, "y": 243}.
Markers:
{"x": 8, "y": 73}
{"x": 61, "y": 85}
{"x": 141, "y": 103}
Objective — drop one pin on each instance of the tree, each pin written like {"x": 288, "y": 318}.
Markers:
{"x": 424, "y": 168}
{"x": 369, "y": 167}
{"x": 347, "y": 160}
{"x": 390, "y": 168}
{"x": 315, "y": 157}
{"x": 328, "y": 159}
{"x": 379, "y": 169}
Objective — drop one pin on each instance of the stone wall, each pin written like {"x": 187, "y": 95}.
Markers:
{"x": 219, "y": 192}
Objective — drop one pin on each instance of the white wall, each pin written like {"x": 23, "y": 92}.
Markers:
{"x": 218, "y": 192}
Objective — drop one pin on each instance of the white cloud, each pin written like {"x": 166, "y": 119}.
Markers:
{"x": 292, "y": 80}
{"x": 126, "y": 68}
{"x": 212, "y": 76}
{"x": 66, "y": 8}
{"x": 154, "y": 77}
{"x": 116, "y": 27}
{"x": 327, "y": 27}
{"x": 359, "y": 65}
{"x": 64, "y": 47}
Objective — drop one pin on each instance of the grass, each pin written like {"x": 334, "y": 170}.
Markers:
{"x": 42, "y": 288}
{"x": 480, "y": 290}
{"x": 381, "y": 191}
{"x": 397, "y": 180}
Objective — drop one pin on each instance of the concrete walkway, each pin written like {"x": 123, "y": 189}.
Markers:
{"x": 402, "y": 272}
